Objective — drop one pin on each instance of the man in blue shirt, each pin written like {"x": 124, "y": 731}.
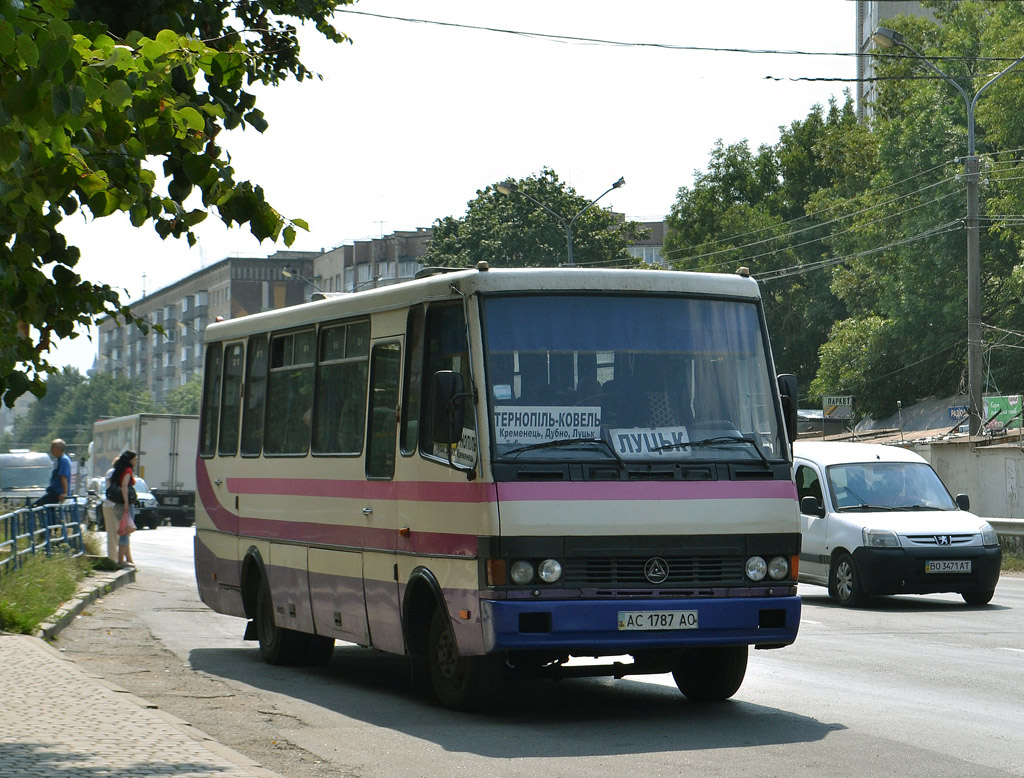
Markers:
{"x": 60, "y": 479}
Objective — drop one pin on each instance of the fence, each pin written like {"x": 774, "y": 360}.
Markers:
{"x": 42, "y": 530}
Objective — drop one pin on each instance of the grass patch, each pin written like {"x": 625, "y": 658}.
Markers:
{"x": 31, "y": 594}
{"x": 1013, "y": 560}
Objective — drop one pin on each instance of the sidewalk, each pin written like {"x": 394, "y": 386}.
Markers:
{"x": 58, "y": 721}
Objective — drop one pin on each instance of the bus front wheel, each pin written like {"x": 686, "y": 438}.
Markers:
{"x": 712, "y": 673}
{"x": 458, "y": 682}
{"x": 278, "y": 646}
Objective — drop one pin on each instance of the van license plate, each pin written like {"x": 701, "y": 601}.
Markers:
{"x": 948, "y": 566}
{"x": 649, "y": 620}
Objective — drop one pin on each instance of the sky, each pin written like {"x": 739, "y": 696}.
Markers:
{"x": 411, "y": 119}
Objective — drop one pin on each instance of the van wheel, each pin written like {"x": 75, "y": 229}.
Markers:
{"x": 978, "y": 598}
{"x": 278, "y": 646}
{"x": 844, "y": 582}
{"x": 711, "y": 674}
{"x": 458, "y": 682}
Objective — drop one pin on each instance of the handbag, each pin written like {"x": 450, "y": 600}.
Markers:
{"x": 126, "y": 526}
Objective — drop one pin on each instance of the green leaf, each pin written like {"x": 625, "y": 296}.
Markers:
{"x": 27, "y": 50}
{"x": 60, "y": 98}
{"x": 118, "y": 94}
{"x": 192, "y": 118}
{"x": 138, "y": 214}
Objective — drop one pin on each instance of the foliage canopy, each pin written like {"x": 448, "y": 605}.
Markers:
{"x": 98, "y": 100}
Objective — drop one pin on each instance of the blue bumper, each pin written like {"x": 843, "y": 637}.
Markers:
{"x": 591, "y": 627}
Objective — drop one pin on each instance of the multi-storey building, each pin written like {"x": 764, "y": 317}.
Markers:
{"x": 237, "y": 286}
{"x": 232, "y": 287}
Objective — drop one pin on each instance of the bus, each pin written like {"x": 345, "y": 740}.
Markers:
{"x": 505, "y": 474}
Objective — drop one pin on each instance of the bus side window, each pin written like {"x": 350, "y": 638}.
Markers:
{"x": 255, "y": 396}
{"x": 413, "y": 387}
{"x": 290, "y": 393}
{"x": 231, "y": 401}
{"x": 211, "y": 401}
{"x": 382, "y": 429}
{"x": 445, "y": 348}
{"x": 341, "y": 388}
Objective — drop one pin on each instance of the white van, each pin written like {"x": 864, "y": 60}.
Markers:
{"x": 878, "y": 520}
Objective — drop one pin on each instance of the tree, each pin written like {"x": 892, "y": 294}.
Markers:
{"x": 903, "y": 280}
{"x": 513, "y": 231}
{"x": 72, "y": 403}
{"x": 754, "y": 210}
{"x": 96, "y": 97}
{"x": 185, "y": 398}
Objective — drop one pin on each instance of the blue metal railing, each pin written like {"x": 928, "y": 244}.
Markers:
{"x": 44, "y": 530}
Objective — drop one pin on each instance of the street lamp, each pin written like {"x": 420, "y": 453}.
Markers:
{"x": 508, "y": 187}
{"x": 289, "y": 272}
{"x": 886, "y": 39}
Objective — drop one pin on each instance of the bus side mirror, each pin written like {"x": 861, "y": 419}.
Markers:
{"x": 788, "y": 393}
{"x": 447, "y": 406}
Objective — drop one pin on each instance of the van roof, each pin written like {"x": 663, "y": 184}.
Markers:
{"x": 836, "y": 452}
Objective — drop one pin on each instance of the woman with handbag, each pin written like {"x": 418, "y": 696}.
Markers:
{"x": 123, "y": 495}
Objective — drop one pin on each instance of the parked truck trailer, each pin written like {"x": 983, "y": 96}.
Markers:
{"x": 166, "y": 445}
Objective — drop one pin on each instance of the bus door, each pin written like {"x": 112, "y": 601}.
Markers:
{"x": 380, "y": 512}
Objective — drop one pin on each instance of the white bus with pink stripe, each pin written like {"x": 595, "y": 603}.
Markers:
{"x": 498, "y": 473}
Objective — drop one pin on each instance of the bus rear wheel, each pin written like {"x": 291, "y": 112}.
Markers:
{"x": 278, "y": 646}
{"x": 458, "y": 682}
{"x": 711, "y": 674}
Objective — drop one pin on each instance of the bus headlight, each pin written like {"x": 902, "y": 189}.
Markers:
{"x": 521, "y": 572}
{"x": 549, "y": 571}
{"x": 757, "y": 568}
{"x": 778, "y": 568}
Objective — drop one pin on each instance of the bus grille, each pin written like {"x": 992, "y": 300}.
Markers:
{"x": 629, "y": 571}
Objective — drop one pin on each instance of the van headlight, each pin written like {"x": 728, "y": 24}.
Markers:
{"x": 880, "y": 538}
{"x": 989, "y": 536}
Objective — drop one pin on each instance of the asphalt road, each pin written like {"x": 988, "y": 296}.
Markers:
{"x": 911, "y": 686}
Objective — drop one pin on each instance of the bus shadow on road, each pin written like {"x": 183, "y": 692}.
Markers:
{"x": 577, "y": 717}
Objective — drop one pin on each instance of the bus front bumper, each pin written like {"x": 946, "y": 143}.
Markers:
{"x": 620, "y": 626}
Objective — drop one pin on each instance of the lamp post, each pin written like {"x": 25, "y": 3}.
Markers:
{"x": 508, "y": 187}
{"x": 289, "y": 272}
{"x": 886, "y": 39}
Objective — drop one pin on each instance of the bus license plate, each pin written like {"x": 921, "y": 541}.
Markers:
{"x": 948, "y": 566}
{"x": 170, "y": 500}
{"x": 649, "y": 620}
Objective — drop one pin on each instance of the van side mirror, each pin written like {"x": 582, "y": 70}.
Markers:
{"x": 788, "y": 393}
{"x": 810, "y": 506}
{"x": 447, "y": 407}
{"x": 963, "y": 502}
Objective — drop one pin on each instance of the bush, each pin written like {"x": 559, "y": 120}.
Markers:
{"x": 31, "y": 594}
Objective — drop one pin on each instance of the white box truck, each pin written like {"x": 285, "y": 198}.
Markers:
{"x": 166, "y": 445}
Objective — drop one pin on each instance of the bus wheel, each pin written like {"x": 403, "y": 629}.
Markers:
{"x": 711, "y": 674}
{"x": 278, "y": 646}
{"x": 458, "y": 682}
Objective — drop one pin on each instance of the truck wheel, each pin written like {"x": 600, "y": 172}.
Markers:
{"x": 458, "y": 682}
{"x": 844, "y": 582}
{"x": 978, "y": 598}
{"x": 711, "y": 674}
{"x": 278, "y": 646}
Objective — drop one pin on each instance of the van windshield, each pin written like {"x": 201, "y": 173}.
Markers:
{"x": 888, "y": 486}
{"x": 635, "y": 378}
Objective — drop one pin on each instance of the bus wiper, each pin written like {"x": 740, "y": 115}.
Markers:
{"x": 718, "y": 440}
{"x": 568, "y": 442}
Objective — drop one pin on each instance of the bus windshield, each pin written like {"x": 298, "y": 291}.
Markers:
{"x": 631, "y": 377}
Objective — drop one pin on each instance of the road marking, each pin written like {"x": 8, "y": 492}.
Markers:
{"x": 1015, "y": 650}
{"x": 808, "y": 621}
